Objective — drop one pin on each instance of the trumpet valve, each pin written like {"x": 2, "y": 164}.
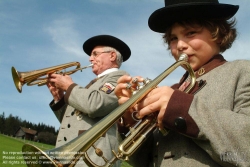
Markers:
{"x": 137, "y": 85}
{"x": 146, "y": 81}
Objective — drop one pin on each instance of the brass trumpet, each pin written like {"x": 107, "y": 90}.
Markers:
{"x": 36, "y": 77}
{"x": 80, "y": 145}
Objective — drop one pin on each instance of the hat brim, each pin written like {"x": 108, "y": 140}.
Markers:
{"x": 107, "y": 40}
{"x": 164, "y": 17}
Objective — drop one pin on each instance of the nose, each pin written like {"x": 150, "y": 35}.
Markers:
{"x": 181, "y": 45}
{"x": 91, "y": 58}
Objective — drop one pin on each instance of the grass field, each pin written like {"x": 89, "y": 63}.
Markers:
{"x": 10, "y": 146}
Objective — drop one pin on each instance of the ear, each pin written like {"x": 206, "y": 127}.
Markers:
{"x": 218, "y": 41}
{"x": 112, "y": 56}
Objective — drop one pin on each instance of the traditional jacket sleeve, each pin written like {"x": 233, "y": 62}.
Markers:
{"x": 96, "y": 101}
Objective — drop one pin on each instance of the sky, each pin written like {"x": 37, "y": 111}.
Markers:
{"x": 37, "y": 34}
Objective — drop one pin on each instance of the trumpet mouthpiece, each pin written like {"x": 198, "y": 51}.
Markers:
{"x": 183, "y": 56}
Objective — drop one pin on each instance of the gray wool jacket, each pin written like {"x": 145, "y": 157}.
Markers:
{"x": 211, "y": 125}
{"x": 81, "y": 108}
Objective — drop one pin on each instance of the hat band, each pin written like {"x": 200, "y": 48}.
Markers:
{"x": 178, "y": 2}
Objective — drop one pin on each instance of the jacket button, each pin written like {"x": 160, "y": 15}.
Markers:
{"x": 180, "y": 123}
{"x": 200, "y": 83}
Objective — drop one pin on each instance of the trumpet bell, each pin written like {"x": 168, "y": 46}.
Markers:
{"x": 16, "y": 79}
{"x": 39, "y": 157}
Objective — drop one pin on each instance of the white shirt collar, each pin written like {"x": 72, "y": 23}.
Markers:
{"x": 107, "y": 72}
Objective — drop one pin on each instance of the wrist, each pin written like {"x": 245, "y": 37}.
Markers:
{"x": 56, "y": 100}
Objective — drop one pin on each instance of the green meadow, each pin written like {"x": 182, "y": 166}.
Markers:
{"x": 11, "y": 148}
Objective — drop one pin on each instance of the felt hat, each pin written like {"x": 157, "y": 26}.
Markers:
{"x": 177, "y": 10}
{"x": 107, "y": 40}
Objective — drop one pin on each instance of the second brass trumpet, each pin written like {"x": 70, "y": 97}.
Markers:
{"x": 39, "y": 77}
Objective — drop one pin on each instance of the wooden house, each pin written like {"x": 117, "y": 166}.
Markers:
{"x": 26, "y": 133}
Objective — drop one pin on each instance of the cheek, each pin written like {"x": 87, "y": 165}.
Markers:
{"x": 98, "y": 63}
{"x": 174, "y": 53}
{"x": 203, "y": 46}
{"x": 172, "y": 47}
{"x": 196, "y": 44}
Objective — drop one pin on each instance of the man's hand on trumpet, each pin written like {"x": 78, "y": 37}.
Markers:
{"x": 60, "y": 81}
{"x": 155, "y": 101}
{"x": 58, "y": 84}
{"x": 56, "y": 93}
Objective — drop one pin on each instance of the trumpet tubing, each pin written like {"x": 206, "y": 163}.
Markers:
{"x": 128, "y": 146}
{"x": 36, "y": 77}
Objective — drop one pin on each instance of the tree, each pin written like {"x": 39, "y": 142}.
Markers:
{"x": 2, "y": 122}
{"x": 11, "y": 124}
{"x": 46, "y": 137}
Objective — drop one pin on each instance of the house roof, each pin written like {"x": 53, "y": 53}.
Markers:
{"x": 28, "y": 130}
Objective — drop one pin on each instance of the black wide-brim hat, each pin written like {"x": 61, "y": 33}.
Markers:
{"x": 107, "y": 40}
{"x": 177, "y": 10}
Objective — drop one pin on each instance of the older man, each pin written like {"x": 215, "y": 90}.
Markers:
{"x": 79, "y": 108}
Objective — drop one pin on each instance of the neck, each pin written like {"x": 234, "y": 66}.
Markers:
{"x": 107, "y": 72}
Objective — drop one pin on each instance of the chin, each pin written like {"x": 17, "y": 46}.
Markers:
{"x": 193, "y": 67}
{"x": 94, "y": 71}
